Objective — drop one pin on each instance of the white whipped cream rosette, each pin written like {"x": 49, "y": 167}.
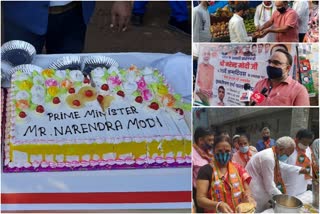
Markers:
{"x": 131, "y": 76}
{"x": 113, "y": 69}
{"x": 22, "y": 77}
{"x": 147, "y": 71}
{"x": 97, "y": 74}
{"x": 38, "y": 99}
{"x": 38, "y": 80}
{"x": 76, "y": 76}
{"x": 130, "y": 87}
{"x": 37, "y": 89}
{"x": 22, "y": 95}
{"x": 61, "y": 74}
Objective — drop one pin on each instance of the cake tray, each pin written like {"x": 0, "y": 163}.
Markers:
{"x": 92, "y": 62}
{"x": 67, "y": 62}
{"x": 17, "y": 52}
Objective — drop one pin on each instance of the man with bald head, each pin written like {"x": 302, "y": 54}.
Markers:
{"x": 284, "y": 23}
{"x": 266, "y": 169}
{"x": 282, "y": 90}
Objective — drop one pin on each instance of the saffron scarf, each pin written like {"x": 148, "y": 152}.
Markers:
{"x": 218, "y": 190}
{"x": 277, "y": 174}
{"x": 303, "y": 161}
{"x": 203, "y": 154}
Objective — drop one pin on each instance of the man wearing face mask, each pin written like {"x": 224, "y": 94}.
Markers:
{"x": 237, "y": 29}
{"x": 301, "y": 157}
{"x": 205, "y": 77}
{"x": 266, "y": 142}
{"x": 201, "y": 155}
{"x": 282, "y": 90}
{"x": 284, "y": 23}
{"x": 266, "y": 170}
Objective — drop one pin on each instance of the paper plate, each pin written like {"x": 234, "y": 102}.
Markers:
{"x": 17, "y": 52}
{"x": 67, "y": 62}
{"x": 92, "y": 62}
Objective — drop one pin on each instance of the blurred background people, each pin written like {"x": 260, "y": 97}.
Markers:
{"x": 201, "y": 23}
{"x": 201, "y": 155}
{"x": 245, "y": 152}
{"x": 266, "y": 141}
{"x": 302, "y": 9}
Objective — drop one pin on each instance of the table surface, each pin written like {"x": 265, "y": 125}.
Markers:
{"x": 166, "y": 188}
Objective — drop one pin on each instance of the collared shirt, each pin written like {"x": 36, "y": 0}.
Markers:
{"x": 261, "y": 146}
{"x": 261, "y": 16}
{"x": 237, "y": 30}
{"x": 205, "y": 76}
{"x": 197, "y": 163}
{"x": 302, "y": 9}
{"x": 295, "y": 183}
{"x": 288, "y": 93}
{"x": 289, "y": 18}
{"x": 201, "y": 24}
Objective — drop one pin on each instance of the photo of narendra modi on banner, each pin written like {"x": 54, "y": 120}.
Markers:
{"x": 259, "y": 74}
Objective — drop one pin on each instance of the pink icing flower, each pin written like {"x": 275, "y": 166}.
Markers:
{"x": 51, "y": 82}
{"x": 146, "y": 94}
{"x": 141, "y": 84}
{"x": 115, "y": 80}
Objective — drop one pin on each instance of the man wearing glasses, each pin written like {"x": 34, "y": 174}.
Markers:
{"x": 281, "y": 89}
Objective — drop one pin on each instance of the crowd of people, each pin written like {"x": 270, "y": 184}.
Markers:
{"x": 275, "y": 21}
{"x": 228, "y": 172}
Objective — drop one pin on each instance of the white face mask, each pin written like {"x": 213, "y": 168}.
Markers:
{"x": 301, "y": 146}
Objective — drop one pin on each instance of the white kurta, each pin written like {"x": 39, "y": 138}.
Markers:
{"x": 237, "y": 30}
{"x": 296, "y": 184}
{"x": 261, "y": 16}
{"x": 261, "y": 168}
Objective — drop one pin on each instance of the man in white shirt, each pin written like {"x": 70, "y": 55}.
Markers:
{"x": 201, "y": 23}
{"x": 297, "y": 184}
{"x": 263, "y": 14}
{"x": 237, "y": 29}
{"x": 265, "y": 168}
{"x": 302, "y": 9}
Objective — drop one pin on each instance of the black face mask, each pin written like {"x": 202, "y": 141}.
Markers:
{"x": 206, "y": 147}
{"x": 265, "y": 138}
{"x": 282, "y": 10}
{"x": 273, "y": 72}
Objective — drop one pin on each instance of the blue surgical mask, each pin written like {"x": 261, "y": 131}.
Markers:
{"x": 244, "y": 149}
{"x": 274, "y": 72}
{"x": 222, "y": 158}
{"x": 283, "y": 157}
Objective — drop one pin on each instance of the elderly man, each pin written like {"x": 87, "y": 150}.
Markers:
{"x": 280, "y": 89}
{"x": 284, "y": 23}
{"x": 201, "y": 155}
{"x": 301, "y": 157}
{"x": 302, "y": 9}
{"x": 263, "y": 14}
{"x": 205, "y": 78}
{"x": 266, "y": 142}
{"x": 264, "y": 168}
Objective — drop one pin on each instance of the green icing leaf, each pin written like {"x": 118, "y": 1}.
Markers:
{"x": 136, "y": 93}
{"x": 186, "y": 106}
{"x": 33, "y": 106}
{"x": 117, "y": 88}
{"x": 177, "y": 96}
